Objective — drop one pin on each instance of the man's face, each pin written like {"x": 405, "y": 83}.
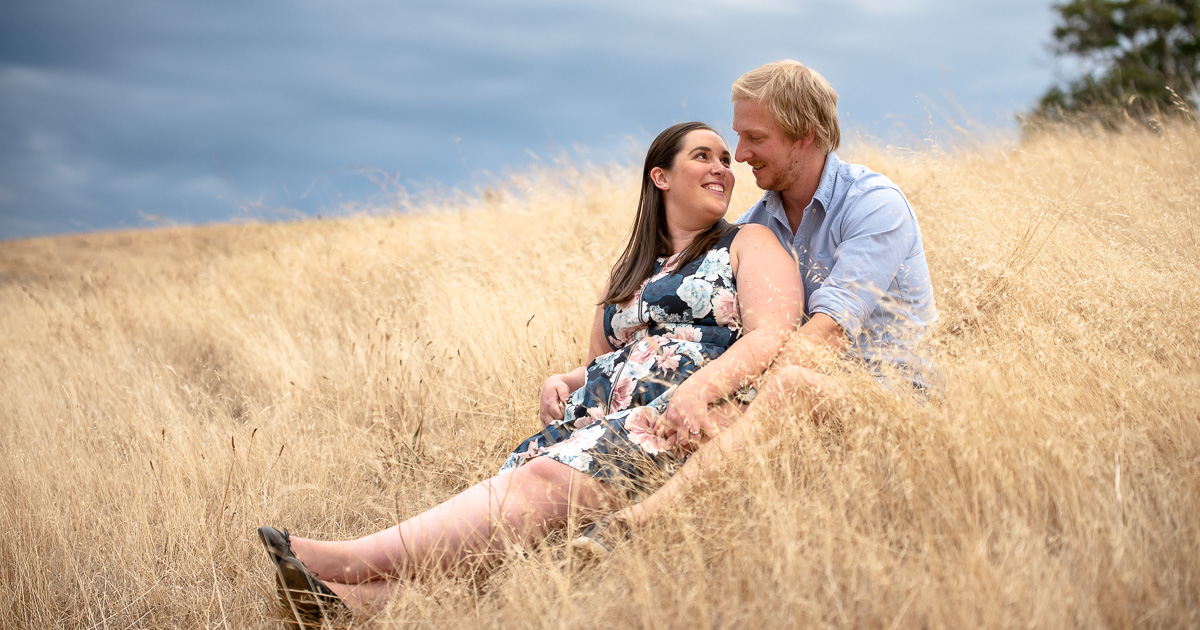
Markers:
{"x": 765, "y": 146}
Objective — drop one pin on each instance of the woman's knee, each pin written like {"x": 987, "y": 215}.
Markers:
{"x": 540, "y": 477}
{"x": 548, "y": 487}
{"x": 560, "y": 482}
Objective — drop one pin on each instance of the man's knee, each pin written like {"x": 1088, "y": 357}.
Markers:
{"x": 794, "y": 384}
{"x": 812, "y": 381}
{"x": 792, "y": 379}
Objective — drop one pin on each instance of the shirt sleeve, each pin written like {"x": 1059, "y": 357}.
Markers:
{"x": 878, "y": 232}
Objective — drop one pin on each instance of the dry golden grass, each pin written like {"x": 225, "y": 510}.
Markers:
{"x": 166, "y": 392}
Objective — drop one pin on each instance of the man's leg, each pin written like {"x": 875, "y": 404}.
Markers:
{"x": 791, "y": 384}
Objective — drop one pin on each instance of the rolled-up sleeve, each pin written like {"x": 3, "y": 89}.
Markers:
{"x": 876, "y": 238}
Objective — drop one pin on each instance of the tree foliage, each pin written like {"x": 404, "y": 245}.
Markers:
{"x": 1141, "y": 57}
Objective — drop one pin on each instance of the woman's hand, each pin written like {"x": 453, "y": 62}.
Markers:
{"x": 554, "y": 398}
{"x": 558, "y": 387}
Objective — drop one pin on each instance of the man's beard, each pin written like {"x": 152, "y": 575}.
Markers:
{"x": 785, "y": 177}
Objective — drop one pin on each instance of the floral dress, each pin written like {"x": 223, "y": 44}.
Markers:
{"x": 678, "y": 321}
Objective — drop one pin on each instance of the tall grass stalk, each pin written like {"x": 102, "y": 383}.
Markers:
{"x": 166, "y": 392}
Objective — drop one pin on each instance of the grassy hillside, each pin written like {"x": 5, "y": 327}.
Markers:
{"x": 166, "y": 392}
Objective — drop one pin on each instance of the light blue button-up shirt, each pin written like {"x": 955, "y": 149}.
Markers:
{"x": 860, "y": 252}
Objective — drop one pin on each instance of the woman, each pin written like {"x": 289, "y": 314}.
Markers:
{"x": 690, "y": 298}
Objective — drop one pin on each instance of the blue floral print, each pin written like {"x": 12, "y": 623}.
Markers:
{"x": 678, "y": 321}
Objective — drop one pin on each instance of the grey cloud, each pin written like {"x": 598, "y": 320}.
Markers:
{"x": 111, "y": 109}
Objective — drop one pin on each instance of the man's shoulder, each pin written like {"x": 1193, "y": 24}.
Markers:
{"x": 757, "y": 213}
{"x": 858, "y": 178}
{"x": 861, "y": 189}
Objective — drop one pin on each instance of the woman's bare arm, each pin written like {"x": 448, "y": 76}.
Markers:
{"x": 557, "y": 387}
{"x": 771, "y": 300}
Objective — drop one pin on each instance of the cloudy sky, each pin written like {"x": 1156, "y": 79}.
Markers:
{"x": 133, "y": 113}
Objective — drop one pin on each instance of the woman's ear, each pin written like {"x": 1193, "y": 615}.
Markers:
{"x": 660, "y": 179}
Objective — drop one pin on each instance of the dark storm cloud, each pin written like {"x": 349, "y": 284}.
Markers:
{"x": 110, "y": 112}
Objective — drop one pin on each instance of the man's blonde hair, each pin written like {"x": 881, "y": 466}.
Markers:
{"x": 799, "y": 99}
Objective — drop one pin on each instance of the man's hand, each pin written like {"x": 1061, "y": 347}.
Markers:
{"x": 686, "y": 420}
{"x": 554, "y": 398}
{"x": 817, "y": 342}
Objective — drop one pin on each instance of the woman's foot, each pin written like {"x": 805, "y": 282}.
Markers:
{"x": 298, "y": 589}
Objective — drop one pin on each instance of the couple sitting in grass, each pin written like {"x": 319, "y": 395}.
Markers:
{"x": 701, "y": 326}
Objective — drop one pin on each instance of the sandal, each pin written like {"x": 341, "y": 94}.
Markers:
{"x": 602, "y": 536}
{"x": 277, "y": 543}
{"x": 298, "y": 589}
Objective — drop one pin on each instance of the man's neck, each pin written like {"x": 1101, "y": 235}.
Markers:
{"x": 800, "y": 194}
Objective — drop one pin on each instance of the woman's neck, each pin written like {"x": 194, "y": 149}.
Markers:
{"x": 681, "y": 238}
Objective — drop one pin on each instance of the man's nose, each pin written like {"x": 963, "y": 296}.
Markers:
{"x": 740, "y": 154}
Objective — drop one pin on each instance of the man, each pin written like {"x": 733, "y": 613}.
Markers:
{"x": 867, "y": 294}
{"x": 866, "y": 281}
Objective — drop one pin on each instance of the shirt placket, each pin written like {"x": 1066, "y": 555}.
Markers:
{"x": 803, "y": 242}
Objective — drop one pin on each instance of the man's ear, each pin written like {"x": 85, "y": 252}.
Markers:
{"x": 660, "y": 179}
{"x": 807, "y": 139}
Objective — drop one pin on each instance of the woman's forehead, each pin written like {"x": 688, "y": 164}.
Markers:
{"x": 704, "y": 138}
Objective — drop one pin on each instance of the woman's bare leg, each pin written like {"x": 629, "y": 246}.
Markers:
{"x": 475, "y": 525}
{"x": 788, "y": 384}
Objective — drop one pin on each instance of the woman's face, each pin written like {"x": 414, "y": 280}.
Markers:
{"x": 698, "y": 187}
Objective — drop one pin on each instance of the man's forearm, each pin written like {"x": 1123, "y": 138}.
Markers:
{"x": 819, "y": 337}
{"x": 737, "y": 367}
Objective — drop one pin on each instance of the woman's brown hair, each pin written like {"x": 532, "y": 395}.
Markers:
{"x": 649, "y": 239}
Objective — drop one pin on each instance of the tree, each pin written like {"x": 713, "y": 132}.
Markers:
{"x": 1142, "y": 57}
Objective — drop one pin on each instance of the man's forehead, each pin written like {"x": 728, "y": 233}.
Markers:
{"x": 745, "y": 126}
{"x": 750, "y": 116}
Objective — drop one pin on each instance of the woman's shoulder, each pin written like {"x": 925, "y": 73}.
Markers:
{"x": 752, "y": 235}
{"x": 754, "y": 242}
{"x": 732, "y": 232}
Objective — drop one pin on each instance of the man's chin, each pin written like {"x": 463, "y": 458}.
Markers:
{"x": 766, "y": 184}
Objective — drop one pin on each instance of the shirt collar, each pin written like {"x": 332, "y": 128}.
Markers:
{"x": 774, "y": 206}
{"x": 824, "y": 193}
